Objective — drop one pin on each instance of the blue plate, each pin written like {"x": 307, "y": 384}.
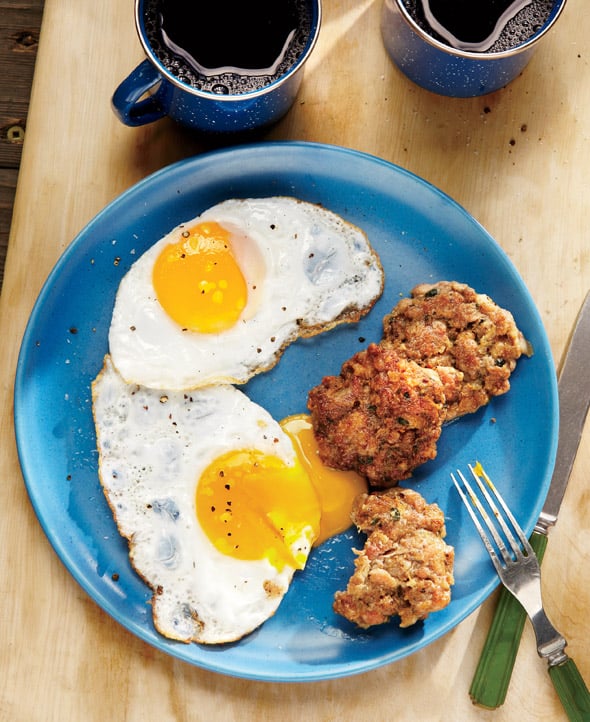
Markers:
{"x": 421, "y": 235}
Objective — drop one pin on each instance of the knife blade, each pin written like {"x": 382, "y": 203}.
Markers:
{"x": 492, "y": 675}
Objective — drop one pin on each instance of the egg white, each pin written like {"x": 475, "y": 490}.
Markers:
{"x": 153, "y": 447}
{"x": 307, "y": 270}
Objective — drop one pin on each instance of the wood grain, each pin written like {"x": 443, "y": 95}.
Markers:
{"x": 517, "y": 160}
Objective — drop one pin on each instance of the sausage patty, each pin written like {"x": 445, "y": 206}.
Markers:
{"x": 405, "y": 567}
{"x": 468, "y": 339}
{"x": 381, "y": 416}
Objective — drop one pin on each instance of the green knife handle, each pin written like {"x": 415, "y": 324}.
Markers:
{"x": 492, "y": 676}
{"x": 572, "y": 691}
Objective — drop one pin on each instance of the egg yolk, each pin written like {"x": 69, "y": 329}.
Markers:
{"x": 198, "y": 280}
{"x": 336, "y": 489}
{"x": 254, "y": 506}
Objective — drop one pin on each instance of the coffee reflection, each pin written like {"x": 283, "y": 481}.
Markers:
{"x": 248, "y": 38}
{"x": 232, "y": 47}
{"x": 484, "y": 25}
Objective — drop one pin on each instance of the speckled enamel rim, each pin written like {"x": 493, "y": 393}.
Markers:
{"x": 316, "y": 24}
{"x": 455, "y": 52}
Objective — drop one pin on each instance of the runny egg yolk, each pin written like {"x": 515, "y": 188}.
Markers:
{"x": 254, "y": 506}
{"x": 336, "y": 489}
{"x": 198, "y": 280}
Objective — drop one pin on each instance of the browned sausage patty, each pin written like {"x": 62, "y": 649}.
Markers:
{"x": 405, "y": 567}
{"x": 469, "y": 340}
{"x": 381, "y": 416}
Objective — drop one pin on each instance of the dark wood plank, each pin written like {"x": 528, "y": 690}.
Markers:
{"x": 20, "y": 24}
{"x": 8, "y": 177}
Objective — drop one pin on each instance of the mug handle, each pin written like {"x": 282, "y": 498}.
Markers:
{"x": 126, "y": 98}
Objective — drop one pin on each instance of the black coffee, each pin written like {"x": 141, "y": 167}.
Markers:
{"x": 473, "y": 22}
{"x": 232, "y": 47}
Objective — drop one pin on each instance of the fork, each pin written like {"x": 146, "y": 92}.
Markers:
{"x": 519, "y": 570}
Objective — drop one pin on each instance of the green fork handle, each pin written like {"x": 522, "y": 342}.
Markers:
{"x": 572, "y": 690}
{"x": 492, "y": 676}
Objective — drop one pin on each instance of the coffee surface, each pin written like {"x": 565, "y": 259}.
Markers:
{"x": 233, "y": 47}
{"x": 469, "y": 20}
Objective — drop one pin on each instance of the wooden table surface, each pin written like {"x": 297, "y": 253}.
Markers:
{"x": 517, "y": 160}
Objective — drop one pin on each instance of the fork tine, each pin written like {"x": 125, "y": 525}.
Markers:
{"x": 492, "y": 527}
{"x": 475, "y": 502}
{"x": 479, "y": 473}
{"x": 469, "y": 506}
{"x": 498, "y": 516}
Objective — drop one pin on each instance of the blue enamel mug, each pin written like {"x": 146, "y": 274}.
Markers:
{"x": 151, "y": 91}
{"x": 449, "y": 71}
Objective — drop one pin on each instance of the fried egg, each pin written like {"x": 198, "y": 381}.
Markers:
{"x": 208, "y": 490}
{"x": 219, "y": 298}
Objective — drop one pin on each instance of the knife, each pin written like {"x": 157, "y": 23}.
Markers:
{"x": 492, "y": 675}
